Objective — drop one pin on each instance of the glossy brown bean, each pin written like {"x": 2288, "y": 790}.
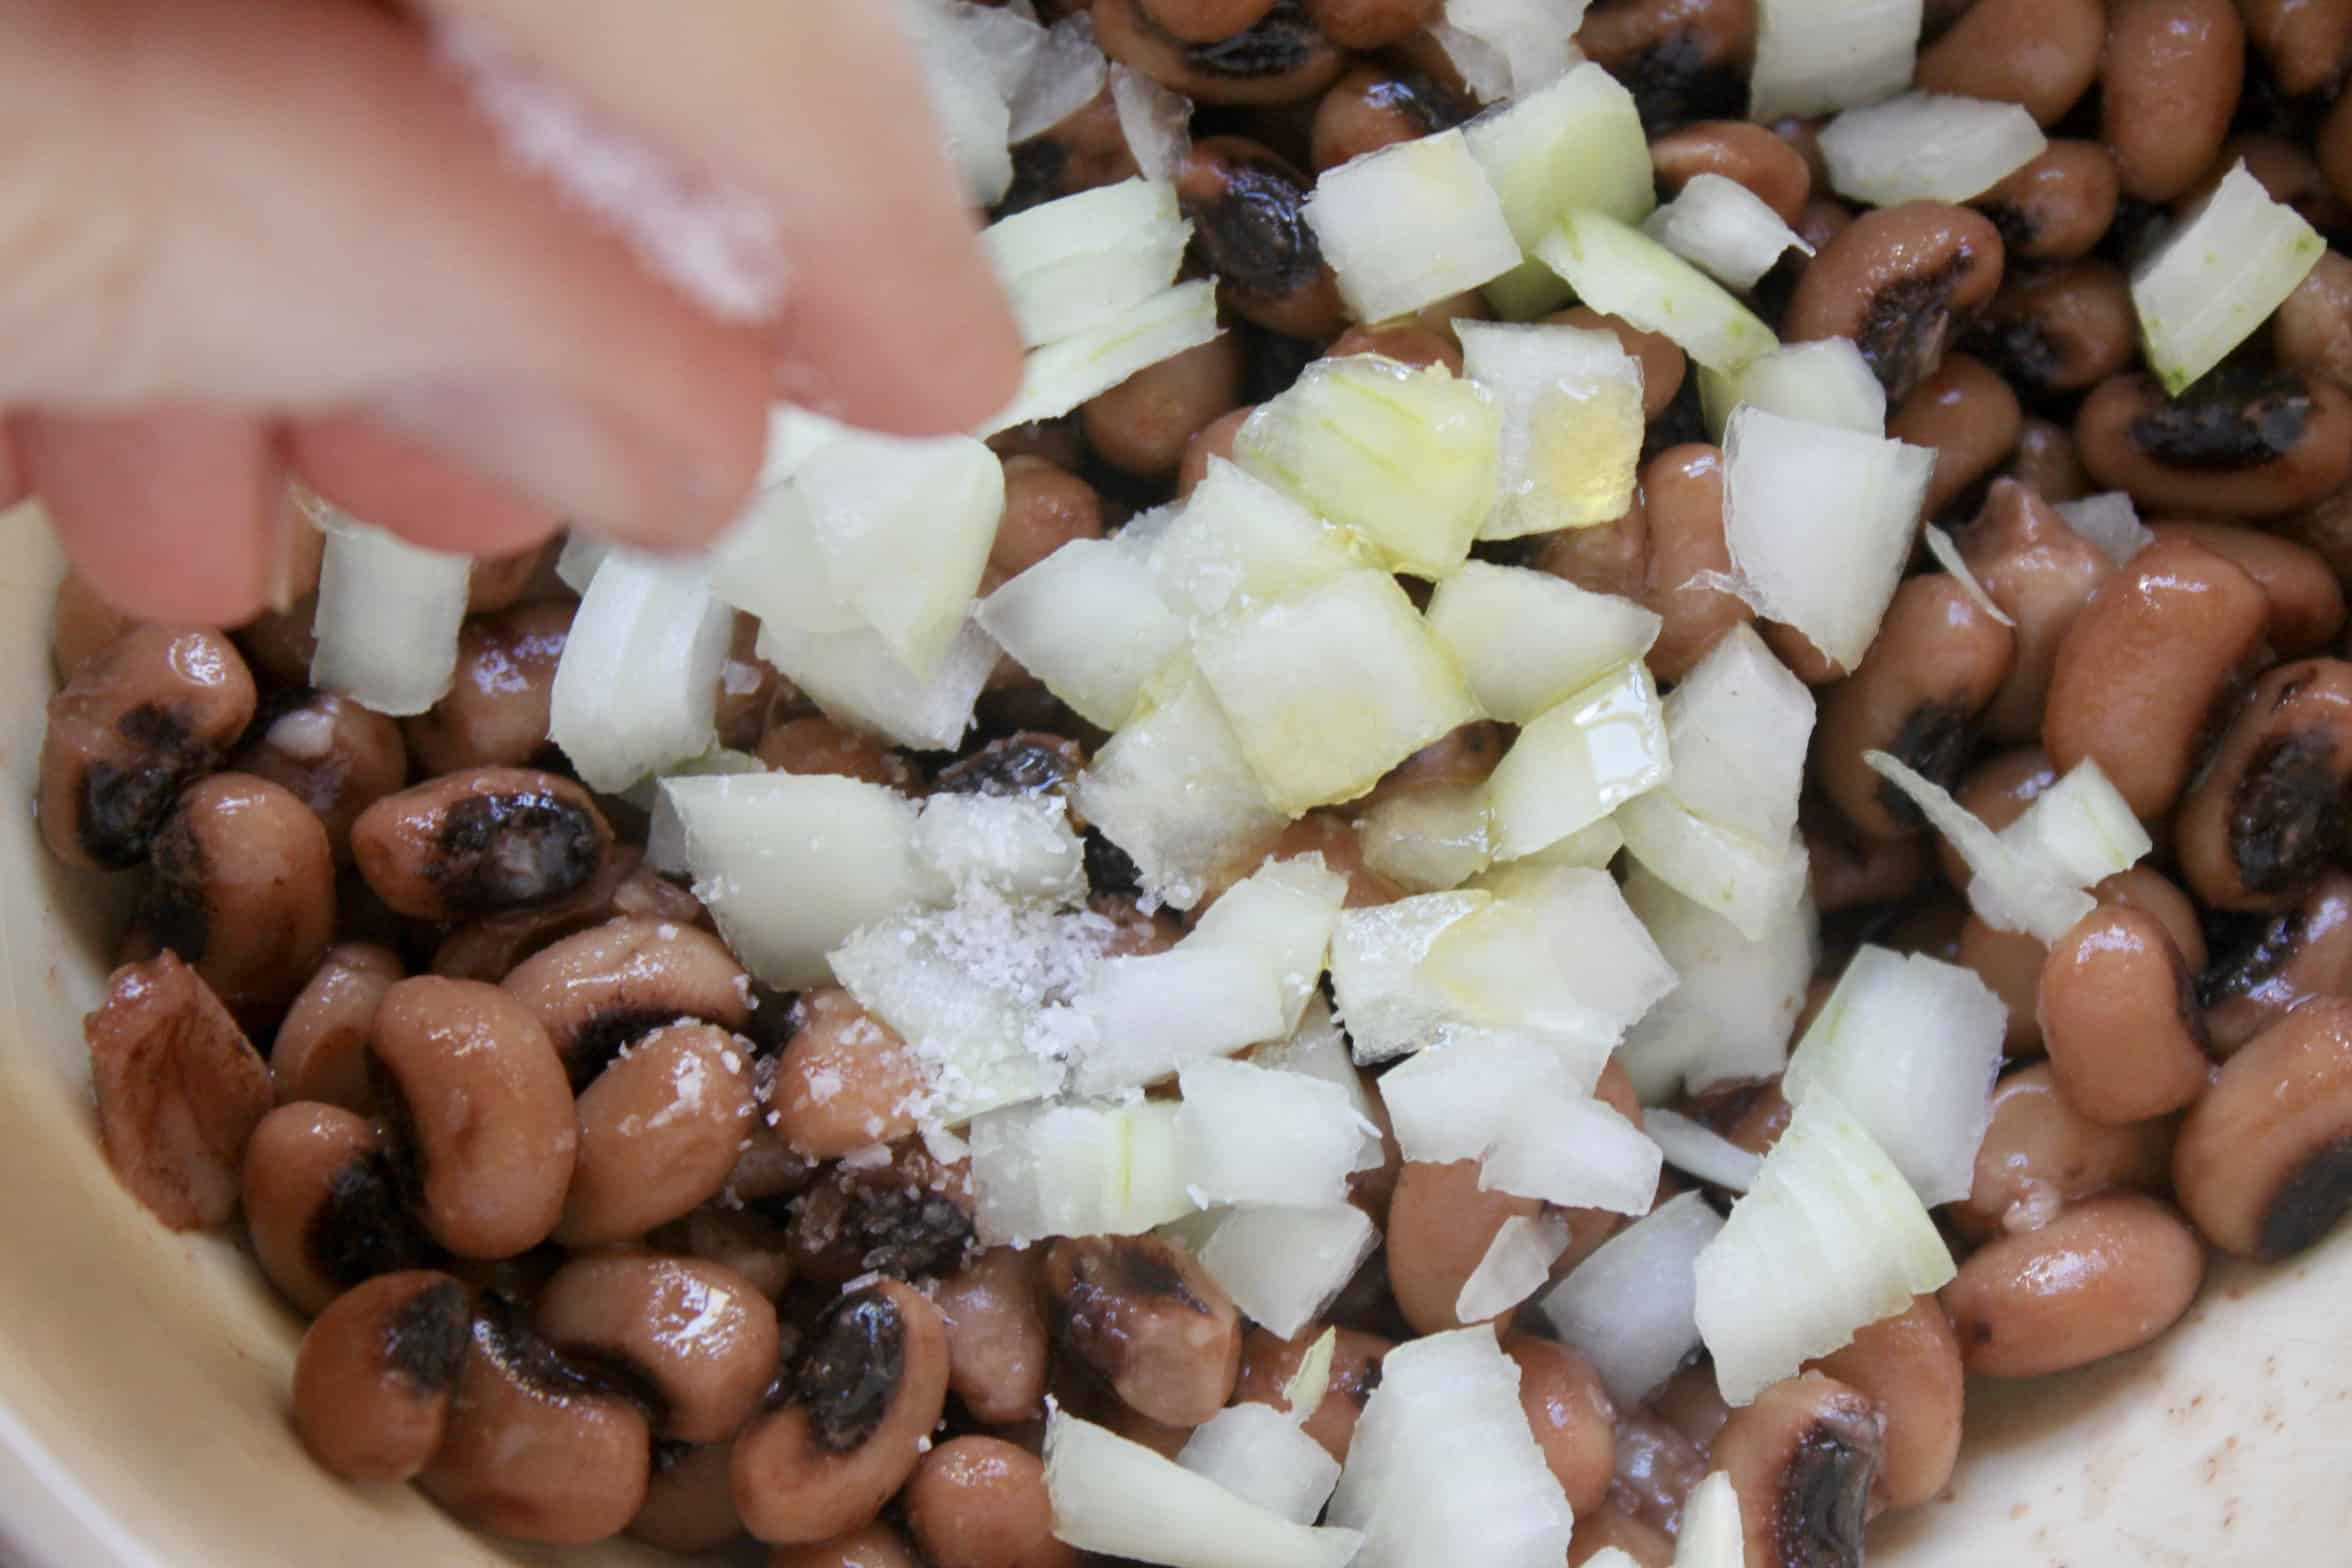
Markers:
{"x": 818, "y": 745}
{"x": 2304, "y": 952}
{"x": 1571, "y": 1415}
{"x": 699, "y": 1335}
{"x": 2043, "y": 54}
{"x": 689, "y": 1502}
{"x": 2118, "y": 1010}
{"x": 979, "y": 1502}
{"x": 2105, "y": 1275}
{"x": 1847, "y": 870}
{"x": 320, "y": 1052}
{"x": 498, "y": 582}
{"x": 597, "y": 991}
{"x": 1211, "y": 442}
{"x": 868, "y": 1387}
{"x": 335, "y": 756}
{"x": 748, "y": 689}
{"x": 535, "y": 1449}
{"x": 1440, "y": 1223}
{"x": 1683, "y": 60}
{"x": 495, "y": 714}
{"x": 2306, "y": 601}
{"x": 1248, "y": 212}
{"x": 2264, "y": 1161}
{"x": 179, "y": 1090}
{"x": 1282, "y": 59}
{"x": 481, "y": 842}
{"x": 1820, "y": 221}
{"x": 1908, "y": 1366}
{"x": 2041, "y": 573}
{"x": 2040, "y": 1154}
{"x": 1268, "y": 1364}
{"x": 1996, "y": 792}
{"x": 1205, "y": 21}
{"x": 845, "y": 1080}
{"x": 139, "y": 721}
{"x": 322, "y": 1204}
{"x": 1968, "y": 416}
{"x": 244, "y": 889}
{"x": 2169, "y": 84}
{"x": 1748, "y": 154}
{"x": 1609, "y": 1528}
{"x": 1046, "y": 507}
{"x": 2056, "y": 207}
{"x": 1611, "y": 557}
{"x": 488, "y": 1117}
{"x": 2010, "y": 965}
{"x": 1903, "y": 283}
{"x": 660, "y": 1130}
{"x": 1371, "y": 108}
{"x": 2141, "y": 668}
{"x": 81, "y": 624}
{"x": 2306, "y": 43}
{"x": 373, "y": 1376}
{"x": 1148, "y": 1320}
{"x": 1682, "y": 498}
{"x": 745, "y": 1240}
{"x": 1806, "y": 1458}
{"x": 2060, "y": 328}
{"x": 2248, "y": 445}
{"x": 1371, "y": 24}
{"x": 1662, "y": 361}
{"x": 1142, "y": 424}
{"x": 873, "y": 1546}
{"x": 998, "y": 1348}
{"x": 2312, "y": 330}
{"x": 2266, "y": 815}
{"x": 2149, "y": 891}
{"x": 280, "y": 644}
{"x": 1692, "y": 1404}
{"x": 1939, "y": 659}
{"x": 1657, "y": 1466}
{"x": 2046, "y": 462}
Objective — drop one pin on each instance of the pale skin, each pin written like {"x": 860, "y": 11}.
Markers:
{"x": 248, "y": 240}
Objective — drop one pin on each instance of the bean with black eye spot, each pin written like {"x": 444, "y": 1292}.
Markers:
{"x": 1248, "y": 212}
{"x": 495, "y": 713}
{"x": 1907, "y": 1365}
{"x": 997, "y": 1343}
{"x": 2264, "y": 1161}
{"x": 2306, "y": 600}
{"x": 244, "y": 889}
{"x": 1903, "y": 283}
{"x": 1269, "y": 1363}
{"x": 1371, "y": 108}
{"x": 1148, "y": 1320}
{"x": 322, "y": 1205}
{"x": 2040, "y": 1154}
{"x": 1967, "y": 416}
{"x": 2056, "y": 207}
{"x": 2060, "y": 329}
{"x": 1940, "y": 657}
{"x": 374, "y": 1375}
{"x": 2043, "y": 54}
{"x": 482, "y": 842}
{"x": 700, "y": 1335}
{"x": 1748, "y": 154}
{"x": 609, "y": 985}
{"x": 1657, "y": 1467}
{"x": 138, "y": 722}
{"x": 869, "y": 1385}
{"x": 2261, "y": 973}
{"x": 1682, "y": 60}
{"x": 491, "y": 947}
{"x": 689, "y": 1502}
{"x": 846, "y": 1079}
{"x": 2267, "y": 815}
{"x": 1205, "y": 21}
{"x": 1371, "y": 24}
{"x": 2168, "y": 86}
{"x": 2105, "y": 1275}
{"x": 1282, "y": 59}
{"x": 660, "y": 1132}
{"x": 2046, "y": 462}
{"x": 320, "y": 1051}
{"x": 1084, "y": 150}
{"x": 2118, "y": 1010}
{"x": 2033, "y": 564}
{"x": 1805, "y": 1458}
{"x": 334, "y": 755}
{"x": 1024, "y": 764}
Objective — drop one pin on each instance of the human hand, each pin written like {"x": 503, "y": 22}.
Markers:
{"x": 242, "y": 240}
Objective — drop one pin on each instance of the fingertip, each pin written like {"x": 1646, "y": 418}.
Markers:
{"x": 934, "y": 365}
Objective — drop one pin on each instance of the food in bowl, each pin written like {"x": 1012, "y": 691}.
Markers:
{"x": 1480, "y": 949}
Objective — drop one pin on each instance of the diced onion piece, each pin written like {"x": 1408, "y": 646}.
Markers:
{"x": 791, "y": 864}
{"x": 1509, "y": 48}
{"x": 1081, "y": 262}
{"x": 1283, "y": 914}
{"x": 1251, "y": 1134}
{"x": 1150, "y": 1014}
{"x": 582, "y": 554}
{"x": 1516, "y": 1265}
{"x": 2081, "y": 826}
{"x": 856, "y": 679}
{"x": 1331, "y": 688}
{"x": 1428, "y": 840}
{"x": 1729, "y": 1018}
{"x": 1947, "y": 555}
{"x": 1443, "y": 1467}
{"x": 1575, "y": 1153}
{"x": 1595, "y": 846}
{"x": 1798, "y": 495}
{"x": 1700, "y": 1151}
{"x": 1173, "y": 790}
{"x": 1259, "y": 1455}
{"x": 637, "y": 686}
{"x": 1571, "y": 403}
{"x": 1527, "y": 640}
{"x": 1621, "y": 271}
{"x": 1406, "y": 457}
{"x": 1816, "y": 56}
{"x": 1611, "y": 1557}
{"x": 1576, "y": 143}
{"x": 1909, "y": 1045}
{"x": 1737, "y": 727}
{"x": 1064, "y": 374}
{"x": 1565, "y": 958}
{"x": 1725, "y": 230}
{"x": 1456, "y": 1099}
{"x": 1750, "y": 884}
{"x": 1927, "y": 147}
{"x": 1303, "y": 1394}
{"x": 2012, "y": 890}
{"x": 1075, "y": 1170}
{"x": 1712, "y": 1535}
{"x": 767, "y": 564}
{"x": 967, "y": 75}
{"x": 1237, "y": 540}
{"x": 1409, "y": 224}
{"x": 388, "y": 616}
{"x": 1089, "y": 622}
{"x": 1579, "y": 761}
{"x": 1156, "y": 122}
{"x": 1388, "y": 1005}
{"x": 1121, "y": 1499}
{"x": 1628, "y": 1307}
{"x": 665, "y": 835}
{"x": 2110, "y": 521}
{"x": 975, "y": 1039}
{"x": 1285, "y": 1266}
{"x": 1068, "y": 74}
{"x": 1318, "y": 1048}
{"x": 1021, "y": 846}
{"x": 1823, "y": 383}
{"x": 2215, "y": 279}
{"x": 1830, "y": 1238}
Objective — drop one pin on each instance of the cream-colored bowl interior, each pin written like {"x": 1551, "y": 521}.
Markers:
{"x": 143, "y": 1374}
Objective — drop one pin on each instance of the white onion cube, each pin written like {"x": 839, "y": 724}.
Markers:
{"x": 1572, "y": 424}
{"x": 1428, "y": 840}
{"x": 1517, "y": 1264}
{"x": 1283, "y": 914}
{"x": 1750, "y": 884}
{"x": 1567, "y": 959}
{"x": 1409, "y": 224}
{"x": 1724, "y": 229}
{"x": 1527, "y": 641}
{"x": 1621, "y": 271}
{"x": 1578, "y": 1153}
{"x": 858, "y": 681}
{"x": 1150, "y": 1014}
{"x": 2082, "y": 827}
{"x": 1077, "y": 263}
{"x": 1237, "y": 539}
{"x": 1388, "y": 1005}
{"x": 1630, "y": 1306}
{"x": 1576, "y": 143}
{"x": 1089, "y": 622}
{"x": 637, "y": 685}
{"x": 1455, "y": 1100}
{"x": 1927, "y": 147}
{"x": 1251, "y": 1134}
{"x": 1578, "y": 762}
{"x": 1260, "y": 1454}
{"x": 388, "y": 616}
{"x": 976, "y": 1039}
{"x": 1062, "y": 375}
{"x": 1816, "y": 56}
{"x": 2211, "y": 283}
{"x": 1022, "y": 846}
{"x": 1075, "y": 1170}
{"x": 1737, "y": 726}
{"x": 1729, "y": 1017}
{"x": 1284, "y": 1266}
{"x": 1823, "y": 383}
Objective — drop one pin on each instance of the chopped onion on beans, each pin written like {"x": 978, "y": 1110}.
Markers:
{"x": 1284, "y": 1265}
{"x": 1927, "y": 147}
{"x": 637, "y": 685}
{"x": 1737, "y": 726}
{"x": 1621, "y": 271}
{"x": 1517, "y": 1263}
{"x": 1251, "y": 1134}
{"x": 1068, "y": 74}
{"x": 1712, "y": 1535}
{"x": 1736, "y": 1000}
{"x": 1564, "y": 958}
{"x": 1629, "y": 1307}
{"x": 1579, "y": 761}
{"x": 1156, "y": 122}
{"x": 1258, "y": 1453}
{"x": 2082, "y": 826}
{"x": 1020, "y": 846}
{"x": 1456, "y": 1100}
{"x": 1409, "y": 224}
{"x": 1389, "y": 1006}
{"x": 1282, "y": 914}
{"x": 1509, "y": 48}
{"x": 1698, "y": 1150}
{"x": 1238, "y": 540}
{"x": 1064, "y": 374}
{"x": 857, "y": 680}
{"x": 1750, "y": 884}
{"x": 1725, "y": 230}
{"x": 1527, "y": 641}
{"x": 1571, "y": 402}
{"x": 1575, "y": 1153}
{"x": 2214, "y": 280}
{"x": 1816, "y": 56}
{"x": 1148, "y": 1015}
{"x": 1428, "y": 840}
{"x": 1318, "y": 1048}
{"x": 1822, "y": 383}
{"x": 1082, "y": 262}
{"x": 1575, "y": 143}
{"x": 1075, "y": 1170}
{"x": 1089, "y": 622}
{"x": 388, "y": 614}
{"x": 2012, "y": 889}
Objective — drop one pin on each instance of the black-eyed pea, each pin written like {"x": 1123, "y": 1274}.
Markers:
{"x": 2239, "y": 443}
{"x": 1248, "y": 212}
{"x": 536, "y": 1448}
{"x": 907, "y": 1216}
{"x": 875, "y": 1545}
{"x": 1082, "y": 151}
{"x": 1662, "y": 361}
{"x": 320, "y": 1051}
{"x": 2010, "y": 965}
{"x": 2169, "y": 83}
{"x": 2041, "y": 573}
{"x": 1683, "y": 60}
{"x": 373, "y": 1377}
{"x": 1611, "y": 557}
{"x": 138, "y": 722}
{"x": 818, "y": 745}
{"x": 1440, "y": 1224}
{"x": 1848, "y": 870}
{"x": 609, "y": 985}
{"x": 2056, "y": 207}
{"x": 2264, "y": 1161}
{"x": 483, "y": 842}
{"x": 2118, "y": 1014}
{"x": 749, "y": 689}
{"x": 1282, "y": 59}
{"x": 2266, "y": 815}
{"x": 1996, "y": 792}
{"x": 1143, "y": 424}
{"x": 1371, "y": 108}
{"x": 1692, "y": 1403}
{"x": 81, "y": 624}
{"x": 478, "y": 1095}
{"x": 2306, "y": 600}
{"x": 1268, "y": 1364}
{"x": 2043, "y": 54}
{"x": 979, "y": 1502}
{"x": 660, "y": 1130}
{"x": 998, "y": 1347}
{"x": 1902, "y": 282}
{"x": 1371, "y": 24}
{"x": 179, "y": 1090}
{"x": 1588, "y": 1228}
{"x": 2278, "y": 965}
{"x": 1908, "y": 1366}
{"x": 1657, "y": 1467}
{"x": 1759, "y": 1126}
{"x": 2151, "y": 892}
{"x": 1749, "y": 154}
{"x": 1046, "y": 507}
{"x": 1968, "y": 416}
{"x": 2059, "y": 328}
{"x": 334, "y": 755}
{"x": 699, "y": 1335}
{"x": 322, "y": 1205}
{"x": 845, "y": 1081}
{"x": 2140, "y": 670}
{"x": 1806, "y": 1458}
{"x": 2312, "y": 330}
{"x": 1612, "y": 1528}
{"x": 744, "y": 1240}
{"x": 2046, "y": 462}
{"x": 869, "y": 1385}
{"x": 2040, "y": 1154}
{"x": 495, "y": 713}
{"x": 2305, "y": 44}
{"x": 689, "y": 1502}
{"x": 1212, "y": 440}
{"x": 244, "y": 889}
{"x": 2104, "y": 1275}
{"x": 1939, "y": 659}
{"x": 1148, "y": 1321}
{"x": 1682, "y": 499}
{"x": 280, "y": 644}
{"x": 1572, "y": 1416}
